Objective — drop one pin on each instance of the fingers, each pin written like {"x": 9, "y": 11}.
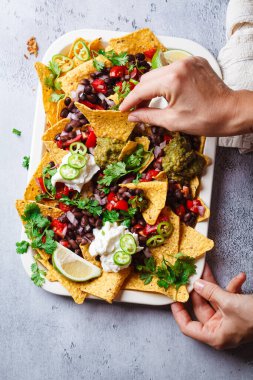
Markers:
{"x": 188, "y": 327}
{"x": 208, "y": 275}
{"x": 143, "y": 91}
{"x": 155, "y": 116}
{"x": 211, "y": 292}
{"x": 235, "y": 285}
{"x": 202, "y": 309}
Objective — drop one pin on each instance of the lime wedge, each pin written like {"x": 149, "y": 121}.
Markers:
{"x": 72, "y": 266}
{"x": 158, "y": 60}
{"x": 173, "y": 55}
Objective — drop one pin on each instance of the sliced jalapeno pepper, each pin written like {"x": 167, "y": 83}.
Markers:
{"x": 67, "y": 172}
{"x": 77, "y": 161}
{"x": 122, "y": 258}
{"x": 64, "y": 63}
{"x": 165, "y": 229}
{"x": 128, "y": 244}
{"x": 81, "y": 51}
{"x": 155, "y": 241}
{"x": 78, "y": 147}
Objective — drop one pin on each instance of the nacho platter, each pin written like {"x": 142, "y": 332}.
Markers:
{"x": 61, "y": 46}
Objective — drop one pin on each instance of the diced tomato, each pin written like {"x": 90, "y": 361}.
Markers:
{"x": 65, "y": 243}
{"x": 69, "y": 142}
{"x": 40, "y": 182}
{"x": 185, "y": 191}
{"x": 152, "y": 229}
{"x": 61, "y": 190}
{"x": 134, "y": 73}
{"x": 112, "y": 197}
{"x": 192, "y": 205}
{"x": 59, "y": 143}
{"x": 150, "y": 53}
{"x": 121, "y": 205}
{"x": 180, "y": 210}
{"x": 151, "y": 174}
{"x": 99, "y": 85}
{"x": 91, "y": 140}
{"x": 43, "y": 239}
{"x": 91, "y": 105}
{"x": 167, "y": 138}
{"x": 189, "y": 204}
{"x": 59, "y": 228}
{"x": 144, "y": 180}
{"x": 119, "y": 84}
{"x": 117, "y": 71}
{"x": 64, "y": 207}
{"x": 138, "y": 226}
{"x": 109, "y": 206}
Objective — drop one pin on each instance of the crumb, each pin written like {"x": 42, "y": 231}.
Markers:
{"x": 32, "y": 46}
{"x": 25, "y": 56}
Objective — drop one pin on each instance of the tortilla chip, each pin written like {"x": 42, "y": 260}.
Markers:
{"x": 202, "y": 144}
{"x": 206, "y": 214}
{"x": 96, "y": 45}
{"x": 170, "y": 246}
{"x": 74, "y": 288}
{"x": 136, "y": 42}
{"x": 50, "y": 276}
{"x": 206, "y": 158}
{"x": 49, "y": 145}
{"x": 162, "y": 176}
{"x": 71, "y": 50}
{"x": 194, "y": 185}
{"x": 147, "y": 163}
{"x": 114, "y": 98}
{"x": 50, "y": 107}
{"x": 32, "y": 188}
{"x": 192, "y": 243}
{"x": 156, "y": 193}
{"x": 144, "y": 141}
{"x": 46, "y": 211}
{"x": 134, "y": 282}
{"x": 60, "y": 106}
{"x": 128, "y": 149}
{"x": 113, "y": 124}
{"x": 70, "y": 81}
{"x": 58, "y": 127}
{"x": 106, "y": 286}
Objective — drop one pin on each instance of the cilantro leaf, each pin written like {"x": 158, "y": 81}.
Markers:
{"x": 110, "y": 216}
{"x": 89, "y": 204}
{"x": 54, "y": 68}
{"x": 38, "y": 275}
{"x": 49, "y": 81}
{"x": 112, "y": 173}
{"x": 26, "y": 162}
{"x": 54, "y": 98}
{"x": 117, "y": 59}
{"x": 16, "y": 132}
{"x": 98, "y": 65}
{"x": 22, "y": 247}
{"x": 137, "y": 179}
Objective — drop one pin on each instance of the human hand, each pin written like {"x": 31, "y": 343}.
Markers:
{"x": 199, "y": 101}
{"x": 224, "y": 317}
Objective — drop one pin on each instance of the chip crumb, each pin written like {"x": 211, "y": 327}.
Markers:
{"x": 25, "y": 56}
{"x": 32, "y": 46}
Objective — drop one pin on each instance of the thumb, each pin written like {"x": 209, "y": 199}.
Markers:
{"x": 211, "y": 292}
{"x": 154, "y": 116}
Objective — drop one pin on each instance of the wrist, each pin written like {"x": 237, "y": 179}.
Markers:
{"x": 242, "y": 121}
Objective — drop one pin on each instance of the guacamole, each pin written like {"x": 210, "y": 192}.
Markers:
{"x": 181, "y": 162}
{"x": 107, "y": 151}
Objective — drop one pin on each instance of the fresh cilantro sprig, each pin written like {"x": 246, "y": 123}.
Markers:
{"x": 120, "y": 216}
{"x": 38, "y": 275}
{"x": 116, "y": 59}
{"x": 47, "y": 174}
{"x": 52, "y": 81}
{"x": 168, "y": 274}
{"x": 137, "y": 179}
{"x": 98, "y": 64}
{"x": 16, "y": 132}
{"x": 37, "y": 229}
{"x": 22, "y": 247}
{"x": 56, "y": 97}
{"x": 89, "y": 204}
{"x": 26, "y": 162}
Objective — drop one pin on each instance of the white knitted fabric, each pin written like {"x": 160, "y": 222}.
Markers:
{"x": 236, "y": 60}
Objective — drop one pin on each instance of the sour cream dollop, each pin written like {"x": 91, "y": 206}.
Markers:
{"x": 107, "y": 242}
{"x": 86, "y": 174}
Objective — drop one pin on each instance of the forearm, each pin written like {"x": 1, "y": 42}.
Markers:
{"x": 243, "y": 119}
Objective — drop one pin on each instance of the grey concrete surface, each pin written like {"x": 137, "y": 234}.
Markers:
{"x": 43, "y": 336}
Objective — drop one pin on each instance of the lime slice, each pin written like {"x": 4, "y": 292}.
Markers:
{"x": 72, "y": 266}
{"x": 173, "y": 55}
{"x": 158, "y": 60}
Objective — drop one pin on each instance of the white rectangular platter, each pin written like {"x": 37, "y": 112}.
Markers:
{"x": 60, "y": 46}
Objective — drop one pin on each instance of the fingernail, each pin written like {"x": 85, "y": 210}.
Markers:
{"x": 198, "y": 285}
{"x": 133, "y": 118}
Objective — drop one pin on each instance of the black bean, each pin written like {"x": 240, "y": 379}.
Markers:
{"x": 68, "y": 128}
{"x": 57, "y": 137}
{"x": 67, "y": 101}
{"x": 187, "y": 217}
{"x": 78, "y": 214}
{"x": 92, "y": 98}
{"x": 84, "y": 121}
{"x": 49, "y": 218}
{"x": 87, "y": 89}
{"x": 84, "y": 241}
{"x": 131, "y": 58}
{"x": 143, "y": 63}
{"x": 139, "y": 191}
{"x": 97, "y": 258}
{"x": 178, "y": 194}
{"x": 79, "y": 239}
{"x": 114, "y": 189}
{"x": 90, "y": 236}
{"x": 98, "y": 223}
{"x": 63, "y": 218}
{"x": 73, "y": 244}
{"x": 92, "y": 220}
{"x": 140, "y": 56}
{"x": 87, "y": 228}
{"x": 70, "y": 227}
{"x": 142, "y": 239}
{"x": 72, "y": 134}
{"x": 108, "y": 80}
{"x": 122, "y": 190}
{"x": 154, "y": 130}
{"x": 51, "y": 164}
{"x": 93, "y": 75}
{"x": 85, "y": 82}
{"x": 126, "y": 77}
{"x": 86, "y": 213}
{"x": 82, "y": 96}
{"x": 64, "y": 112}
{"x": 157, "y": 165}
{"x": 71, "y": 105}
{"x": 84, "y": 221}
{"x": 109, "y": 92}
{"x": 78, "y": 251}
{"x": 64, "y": 138}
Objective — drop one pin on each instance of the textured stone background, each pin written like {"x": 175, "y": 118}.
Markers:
{"x": 48, "y": 337}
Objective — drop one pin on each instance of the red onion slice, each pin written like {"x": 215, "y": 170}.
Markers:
{"x": 71, "y": 217}
{"x": 147, "y": 253}
{"x": 157, "y": 151}
{"x": 163, "y": 145}
{"x": 80, "y": 88}
{"x": 201, "y": 210}
{"x": 64, "y": 231}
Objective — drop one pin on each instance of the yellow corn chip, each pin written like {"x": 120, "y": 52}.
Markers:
{"x": 58, "y": 127}
{"x": 50, "y": 107}
{"x": 96, "y": 45}
{"x": 114, "y": 98}
{"x": 144, "y": 141}
{"x": 147, "y": 163}
{"x": 206, "y": 214}
{"x": 162, "y": 176}
{"x": 32, "y": 188}
{"x": 113, "y": 124}
{"x": 133, "y": 282}
{"x": 60, "y": 106}
{"x": 136, "y": 42}
{"x": 156, "y": 193}
{"x": 70, "y": 81}
{"x": 202, "y": 144}
{"x": 194, "y": 185}
{"x": 128, "y": 149}
{"x": 192, "y": 243}
{"x": 206, "y": 158}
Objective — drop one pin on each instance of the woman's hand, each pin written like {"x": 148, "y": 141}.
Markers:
{"x": 224, "y": 317}
{"x": 199, "y": 101}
